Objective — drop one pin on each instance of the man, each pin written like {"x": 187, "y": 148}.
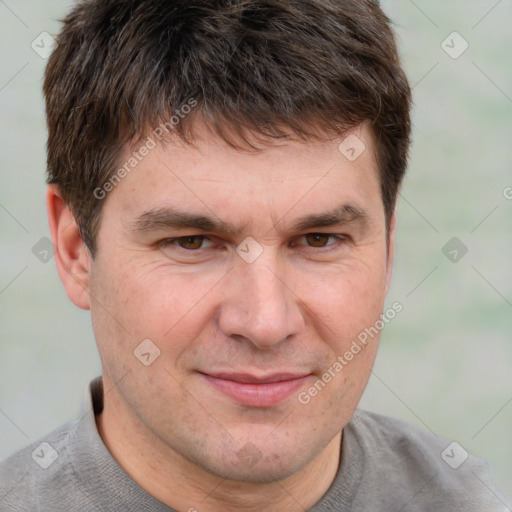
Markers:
{"x": 222, "y": 184}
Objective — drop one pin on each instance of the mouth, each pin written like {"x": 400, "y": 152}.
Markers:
{"x": 257, "y": 391}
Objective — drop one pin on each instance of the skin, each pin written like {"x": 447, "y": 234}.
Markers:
{"x": 297, "y": 307}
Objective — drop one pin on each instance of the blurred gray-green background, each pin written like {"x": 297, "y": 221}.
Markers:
{"x": 445, "y": 362}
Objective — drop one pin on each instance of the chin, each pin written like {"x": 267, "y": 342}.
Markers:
{"x": 254, "y": 463}
{"x": 264, "y": 471}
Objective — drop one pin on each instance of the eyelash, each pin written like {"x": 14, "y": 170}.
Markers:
{"x": 174, "y": 241}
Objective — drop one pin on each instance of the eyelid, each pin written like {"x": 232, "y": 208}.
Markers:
{"x": 173, "y": 241}
{"x": 337, "y": 236}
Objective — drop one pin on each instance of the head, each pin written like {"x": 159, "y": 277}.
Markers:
{"x": 204, "y": 196}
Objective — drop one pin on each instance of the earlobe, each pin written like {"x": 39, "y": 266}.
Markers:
{"x": 72, "y": 256}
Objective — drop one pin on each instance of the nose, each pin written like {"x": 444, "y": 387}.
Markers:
{"x": 259, "y": 304}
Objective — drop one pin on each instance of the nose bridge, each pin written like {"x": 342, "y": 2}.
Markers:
{"x": 269, "y": 294}
{"x": 262, "y": 307}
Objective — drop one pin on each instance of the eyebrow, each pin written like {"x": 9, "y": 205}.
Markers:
{"x": 170, "y": 218}
{"x": 347, "y": 213}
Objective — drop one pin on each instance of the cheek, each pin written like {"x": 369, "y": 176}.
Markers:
{"x": 345, "y": 300}
{"x": 147, "y": 300}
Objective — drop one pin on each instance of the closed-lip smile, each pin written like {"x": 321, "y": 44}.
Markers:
{"x": 257, "y": 391}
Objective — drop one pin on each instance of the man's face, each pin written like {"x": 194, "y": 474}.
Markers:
{"x": 244, "y": 326}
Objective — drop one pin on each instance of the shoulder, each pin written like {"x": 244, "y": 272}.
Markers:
{"x": 421, "y": 465}
{"x": 31, "y": 475}
{"x": 384, "y": 432}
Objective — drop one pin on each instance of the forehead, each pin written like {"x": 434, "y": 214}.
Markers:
{"x": 280, "y": 182}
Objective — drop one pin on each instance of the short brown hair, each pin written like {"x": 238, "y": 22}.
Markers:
{"x": 265, "y": 67}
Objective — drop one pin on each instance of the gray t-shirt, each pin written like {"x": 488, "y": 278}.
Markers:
{"x": 386, "y": 466}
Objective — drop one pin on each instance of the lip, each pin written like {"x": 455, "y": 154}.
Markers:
{"x": 257, "y": 391}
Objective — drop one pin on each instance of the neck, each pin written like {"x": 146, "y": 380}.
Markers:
{"x": 182, "y": 485}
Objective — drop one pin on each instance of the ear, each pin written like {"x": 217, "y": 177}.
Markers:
{"x": 391, "y": 250}
{"x": 71, "y": 254}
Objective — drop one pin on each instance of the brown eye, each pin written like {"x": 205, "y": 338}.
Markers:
{"x": 191, "y": 242}
{"x": 317, "y": 239}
